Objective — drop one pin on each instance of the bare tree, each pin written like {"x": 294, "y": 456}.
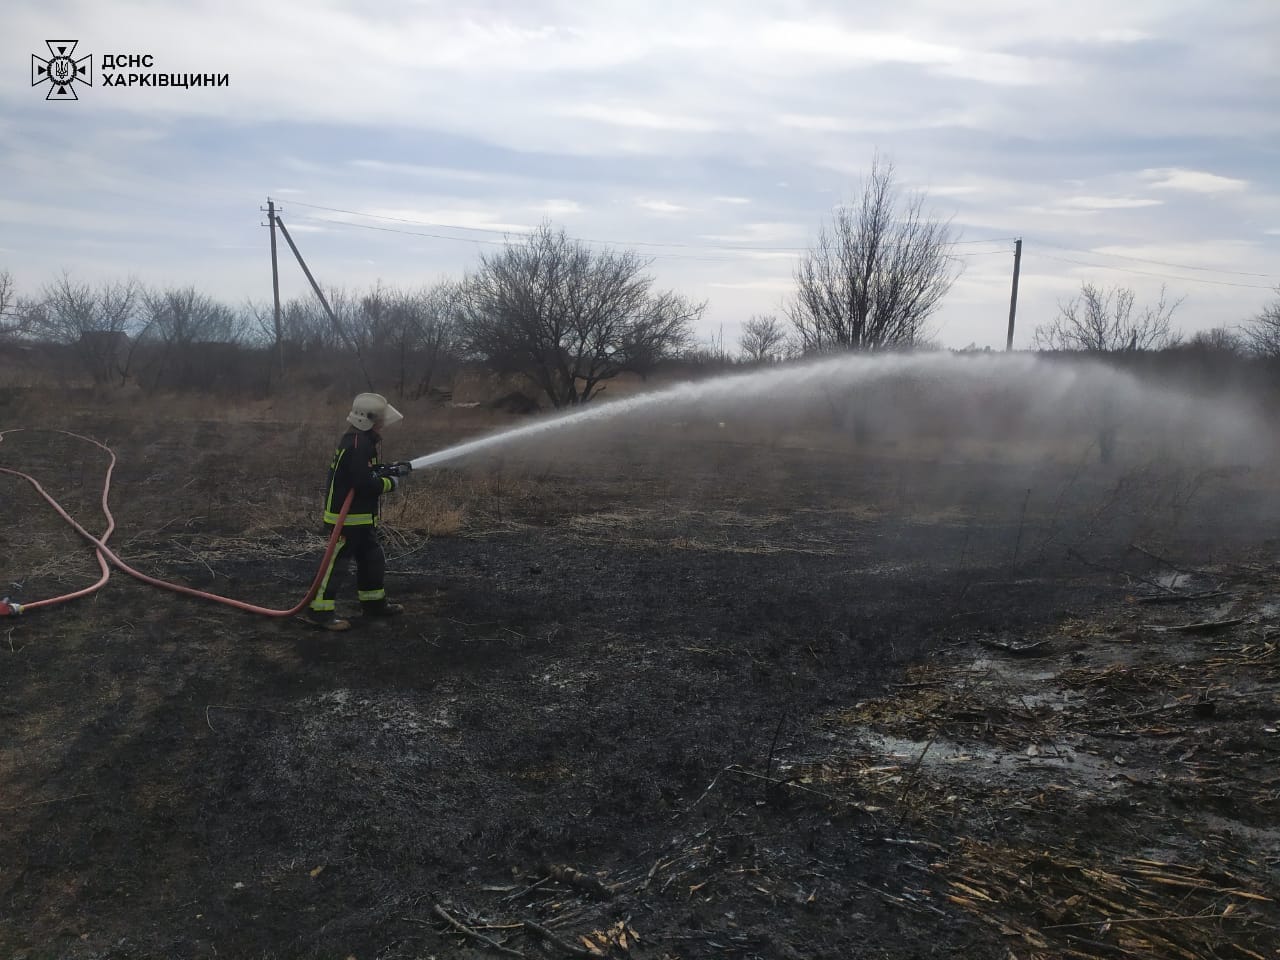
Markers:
{"x": 95, "y": 322}
{"x": 568, "y": 316}
{"x": 1218, "y": 340}
{"x": 414, "y": 336}
{"x": 191, "y": 339}
{"x": 1262, "y": 333}
{"x": 1104, "y": 321}
{"x": 183, "y": 316}
{"x": 763, "y": 340}
{"x": 14, "y": 315}
{"x": 877, "y": 272}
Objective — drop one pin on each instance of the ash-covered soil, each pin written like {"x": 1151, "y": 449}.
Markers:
{"x": 795, "y": 698}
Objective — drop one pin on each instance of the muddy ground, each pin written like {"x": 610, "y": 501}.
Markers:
{"x": 783, "y": 698}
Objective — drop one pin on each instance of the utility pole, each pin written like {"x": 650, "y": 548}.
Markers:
{"x": 1013, "y": 297}
{"x": 275, "y": 280}
{"x": 333, "y": 317}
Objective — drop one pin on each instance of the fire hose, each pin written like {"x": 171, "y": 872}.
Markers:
{"x": 105, "y": 554}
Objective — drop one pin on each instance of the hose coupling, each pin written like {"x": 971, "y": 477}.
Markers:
{"x": 10, "y": 608}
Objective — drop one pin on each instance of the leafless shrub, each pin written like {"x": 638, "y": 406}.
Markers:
{"x": 11, "y": 319}
{"x": 96, "y": 322}
{"x": 763, "y": 340}
{"x": 1104, "y": 321}
{"x": 1262, "y": 333}
{"x": 568, "y": 316}
{"x": 876, "y": 274}
{"x": 1220, "y": 340}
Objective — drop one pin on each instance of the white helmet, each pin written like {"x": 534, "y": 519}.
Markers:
{"x": 370, "y": 409}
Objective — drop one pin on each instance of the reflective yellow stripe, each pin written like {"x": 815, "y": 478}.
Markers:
{"x": 333, "y": 476}
{"x": 371, "y": 595}
{"x": 353, "y": 519}
{"x": 319, "y": 603}
{"x": 386, "y": 484}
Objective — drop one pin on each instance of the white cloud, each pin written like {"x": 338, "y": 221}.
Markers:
{"x": 738, "y": 201}
{"x": 558, "y": 208}
{"x": 1195, "y": 181}
{"x": 774, "y": 284}
{"x": 761, "y": 234}
{"x": 407, "y": 218}
{"x": 418, "y": 170}
{"x": 665, "y": 207}
{"x": 632, "y": 115}
{"x": 818, "y": 43}
{"x": 804, "y": 121}
{"x": 1108, "y": 203}
{"x": 1120, "y": 35}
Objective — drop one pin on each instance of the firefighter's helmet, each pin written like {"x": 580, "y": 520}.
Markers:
{"x": 369, "y": 410}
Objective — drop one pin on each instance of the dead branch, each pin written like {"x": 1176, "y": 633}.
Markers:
{"x": 41, "y": 803}
{"x": 466, "y": 931}
{"x": 1210, "y": 626}
{"x": 1076, "y": 554}
{"x": 801, "y": 787}
{"x": 1115, "y": 920}
{"x": 529, "y": 889}
{"x": 583, "y": 881}
{"x": 1014, "y": 649}
{"x": 1184, "y": 598}
{"x": 562, "y": 945}
{"x": 911, "y": 780}
{"x": 1159, "y": 559}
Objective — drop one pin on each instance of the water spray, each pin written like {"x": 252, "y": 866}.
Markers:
{"x": 1047, "y": 395}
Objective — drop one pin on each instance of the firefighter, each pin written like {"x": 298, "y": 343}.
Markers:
{"x": 355, "y": 466}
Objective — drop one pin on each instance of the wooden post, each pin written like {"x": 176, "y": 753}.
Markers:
{"x": 1013, "y": 297}
{"x": 333, "y": 317}
{"x": 275, "y": 281}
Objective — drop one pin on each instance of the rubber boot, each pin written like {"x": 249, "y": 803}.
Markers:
{"x": 379, "y": 609}
{"x": 326, "y": 620}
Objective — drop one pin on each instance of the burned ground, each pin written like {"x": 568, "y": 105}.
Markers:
{"x": 768, "y": 699}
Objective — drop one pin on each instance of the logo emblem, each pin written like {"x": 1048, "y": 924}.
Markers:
{"x": 61, "y": 70}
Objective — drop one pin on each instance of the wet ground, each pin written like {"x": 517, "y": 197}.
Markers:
{"x": 794, "y": 698}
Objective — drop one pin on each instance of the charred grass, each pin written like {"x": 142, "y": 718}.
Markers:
{"x": 685, "y": 693}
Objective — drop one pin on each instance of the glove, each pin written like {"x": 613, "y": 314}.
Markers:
{"x": 401, "y": 468}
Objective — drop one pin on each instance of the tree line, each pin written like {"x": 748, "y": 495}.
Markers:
{"x": 568, "y": 316}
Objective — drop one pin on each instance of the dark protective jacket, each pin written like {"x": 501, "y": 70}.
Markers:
{"x": 352, "y": 469}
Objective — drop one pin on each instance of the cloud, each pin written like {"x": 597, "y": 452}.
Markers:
{"x": 1108, "y": 203}
{"x": 1195, "y": 181}
{"x": 665, "y": 207}
{"x": 408, "y": 218}
{"x": 558, "y": 208}
{"x": 420, "y": 170}
{"x": 719, "y": 122}
{"x": 774, "y": 284}
{"x": 819, "y": 43}
{"x": 636, "y": 115}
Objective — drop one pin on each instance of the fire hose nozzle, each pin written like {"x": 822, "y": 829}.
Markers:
{"x": 10, "y": 608}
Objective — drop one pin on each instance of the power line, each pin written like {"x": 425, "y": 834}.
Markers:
{"x": 1162, "y": 263}
{"x": 499, "y": 243}
{"x": 653, "y": 256}
{"x": 1163, "y": 276}
{"x": 623, "y": 243}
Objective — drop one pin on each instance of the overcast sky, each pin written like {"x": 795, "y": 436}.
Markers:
{"x": 1133, "y": 143}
